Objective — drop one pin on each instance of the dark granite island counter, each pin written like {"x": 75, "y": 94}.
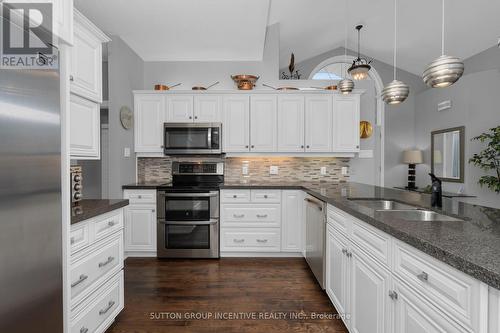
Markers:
{"x": 89, "y": 208}
{"x": 471, "y": 246}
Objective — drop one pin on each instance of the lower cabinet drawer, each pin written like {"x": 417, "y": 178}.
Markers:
{"x": 140, "y": 196}
{"x": 107, "y": 224}
{"x": 250, "y": 239}
{"x": 251, "y": 215}
{"x": 375, "y": 242}
{"x": 95, "y": 265}
{"x": 97, "y": 312}
{"x": 454, "y": 292}
{"x": 79, "y": 236}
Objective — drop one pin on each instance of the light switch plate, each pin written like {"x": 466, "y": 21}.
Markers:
{"x": 126, "y": 152}
{"x": 244, "y": 170}
{"x": 323, "y": 171}
{"x": 273, "y": 170}
{"x": 345, "y": 171}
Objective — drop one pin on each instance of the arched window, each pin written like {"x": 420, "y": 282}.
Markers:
{"x": 333, "y": 71}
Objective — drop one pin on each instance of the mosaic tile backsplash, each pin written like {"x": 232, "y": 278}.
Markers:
{"x": 289, "y": 169}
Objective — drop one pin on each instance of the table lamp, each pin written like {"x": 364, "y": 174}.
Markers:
{"x": 412, "y": 158}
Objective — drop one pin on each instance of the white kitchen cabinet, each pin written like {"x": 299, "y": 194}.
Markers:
{"x": 140, "y": 228}
{"x": 263, "y": 122}
{"x": 291, "y": 216}
{"x": 207, "y": 108}
{"x": 236, "y": 123}
{"x": 86, "y": 59}
{"x": 346, "y": 116}
{"x": 84, "y": 128}
{"x": 148, "y": 122}
{"x": 415, "y": 315}
{"x": 318, "y": 120}
{"x": 291, "y": 123}
{"x": 179, "y": 109}
{"x": 370, "y": 306}
{"x": 63, "y": 20}
{"x": 494, "y": 310}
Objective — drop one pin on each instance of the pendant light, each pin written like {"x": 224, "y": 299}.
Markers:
{"x": 360, "y": 66}
{"x": 445, "y": 70}
{"x": 397, "y": 91}
{"x": 345, "y": 85}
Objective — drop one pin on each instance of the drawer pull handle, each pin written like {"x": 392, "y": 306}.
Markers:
{"x": 423, "y": 276}
{"x": 348, "y": 254}
{"x": 110, "y": 305}
{"x": 262, "y": 216}
{"x": 238, "y": 240}
{"x": 84, "y": 330}
{"x": 265, "y": 196}
{"x": 82, "y": 278}
{"x": 262, "y": 240}
{"x": 393, "y": 295}
{"x": 235, "y": 196}
{"x": 139, "y": 196}
{"x": 102, "y": 264}
{"x": 111, "y": 223}
{"x": 344, "y": 251}
{"x": 72, "y": 240}
{"x": 239, "y": 216}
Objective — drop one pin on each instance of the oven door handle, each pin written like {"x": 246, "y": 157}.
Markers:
{"x": 210, "y": 222}
{"x": 183, "y": 195}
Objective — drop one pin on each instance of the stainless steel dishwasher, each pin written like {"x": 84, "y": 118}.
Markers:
{"x": 315, "y": 237}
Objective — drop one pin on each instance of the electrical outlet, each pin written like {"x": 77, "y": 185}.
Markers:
{"x": 345, "y": 171}
{"x": 126, "y": 152}
{"x": 273, "y": 170}
{"x": 244, "y": 170}
{"x": 323, "y": 171}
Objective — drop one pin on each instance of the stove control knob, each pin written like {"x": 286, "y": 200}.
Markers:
{"x": 77, "y": 187}
{"x": 77, "y": 196}
{"x": 77, "y": 178}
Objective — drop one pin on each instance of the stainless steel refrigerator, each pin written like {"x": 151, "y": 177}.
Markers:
{"x": 30, "y": 202}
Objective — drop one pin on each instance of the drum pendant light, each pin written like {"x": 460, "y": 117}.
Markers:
{"x": 397, "y": 91}
{"x": 445, "y": 70}
{"x": 345, "y": 85}
{"x": 360, "y": 66}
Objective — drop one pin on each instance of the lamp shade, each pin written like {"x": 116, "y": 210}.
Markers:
{"x": 412, "y": 157}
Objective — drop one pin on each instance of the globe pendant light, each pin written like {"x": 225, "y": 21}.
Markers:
{"x": 445, "y": 70}
{"x": 360, "y": 66}
{"x": 397, "y": 91}
{"x": 345, "y": 85}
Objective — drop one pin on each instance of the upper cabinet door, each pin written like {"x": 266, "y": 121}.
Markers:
{"x": 236, "y": 124}
{"x": 86, "y": 59}
{"x": 291, "y": 123}
{"x": 179, "y": 109}
{"x": 263, "y": 123}
{"x": 148, "y": 124}
{"x": 84, "y": 128}
{"x": 207, "y": 109}
{"x": 63, "y": 20}
{"x": 319, "y": 115}
{"x": 346, "y": 123}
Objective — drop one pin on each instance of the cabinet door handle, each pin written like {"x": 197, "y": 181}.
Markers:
{"x": 190, "y": 117}
{"x": 423, "y": 276}
{"x": 111, "y": 223}
{"x": 265, "y": 196}
{"x": 307, "y": 146}
{"x": 344, "y": 251}
{"x": 349, "y": 254}
{"x": 139, "y": 196}
{"x": 71, "y": 78}
{"x": 246, "y": 146}
{"x": 84, "y": 330}
{"x": 261, "y": 216}
{"x": 82, "y": 278}
{"x": 72, "y": 240}
{"x": 235, "y": 196}
{"x": 102, "y": 264}
{"x": 302, "y": 146}
{"x": 239, "y": 216}
{"x": 261, "y": 240}
{"x": 195, "y": 117}
{"x": 253, "y": 146}
{"x": 106, "y": 309}
{"x": 238, "y": 240}
{"x": 393, "y": 295}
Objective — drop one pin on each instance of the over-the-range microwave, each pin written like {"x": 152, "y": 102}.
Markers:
{"x": 192, "y": 138}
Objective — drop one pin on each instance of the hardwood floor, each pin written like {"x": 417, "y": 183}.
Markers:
{"x": 172, "y": 291}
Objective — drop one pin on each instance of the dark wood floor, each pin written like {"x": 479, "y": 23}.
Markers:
{"x": 238, "y": 287}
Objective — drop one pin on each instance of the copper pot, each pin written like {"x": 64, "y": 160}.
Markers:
{"x": 165, "y": 87}
{"x": 333, "y": 87}
{"x": 244, "y": 81}
{"x": 245, "y": 85}
{"x": 204, "y": 88}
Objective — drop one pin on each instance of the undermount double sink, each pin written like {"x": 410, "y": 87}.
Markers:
{"x": 402, "y": 210}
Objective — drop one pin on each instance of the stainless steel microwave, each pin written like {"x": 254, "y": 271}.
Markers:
{"x": 192, "y": 138}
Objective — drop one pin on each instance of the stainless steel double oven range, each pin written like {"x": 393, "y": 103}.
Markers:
{"x": 188, "y": 211}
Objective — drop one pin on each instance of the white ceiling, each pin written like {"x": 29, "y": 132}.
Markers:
{"x": 234, "y": 30}
{"x": 184, "y": 30}
{"x": 309, "y": 28}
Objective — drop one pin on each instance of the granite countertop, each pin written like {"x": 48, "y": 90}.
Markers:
{"x": 471, "y": 246}
{"x": 445, "y": 194}
{"x": 89, "y": 208}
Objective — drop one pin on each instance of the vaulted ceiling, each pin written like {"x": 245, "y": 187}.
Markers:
{"x": 234, "y": 30}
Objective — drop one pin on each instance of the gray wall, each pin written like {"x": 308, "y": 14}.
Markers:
{"x": 195, "y": 73}
{"x": 126, "y": 73}
{"x": 399, "y": 120}
{"x": 476, "y": 101}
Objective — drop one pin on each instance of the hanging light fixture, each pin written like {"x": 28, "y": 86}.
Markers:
{"x": 397, "y": 91}
{"x": 360, "y": 66}
{"x": 445, "y": 70}
{"x": 345, "y": 85}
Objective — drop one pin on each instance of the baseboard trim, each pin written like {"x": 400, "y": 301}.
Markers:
{"x": 261, "y": 255}
{"x": 140, "y": 254}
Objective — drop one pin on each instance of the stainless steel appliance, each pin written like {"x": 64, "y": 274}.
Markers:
{"x": 192, "y": 138}
{"x": 188, "y": 211}
{"x": 315, "y": 237}
{"x": 76, "y": 183}
{"x": 30, "y": 202}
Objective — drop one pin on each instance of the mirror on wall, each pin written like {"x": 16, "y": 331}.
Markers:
{"x": 447, "y": 154}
